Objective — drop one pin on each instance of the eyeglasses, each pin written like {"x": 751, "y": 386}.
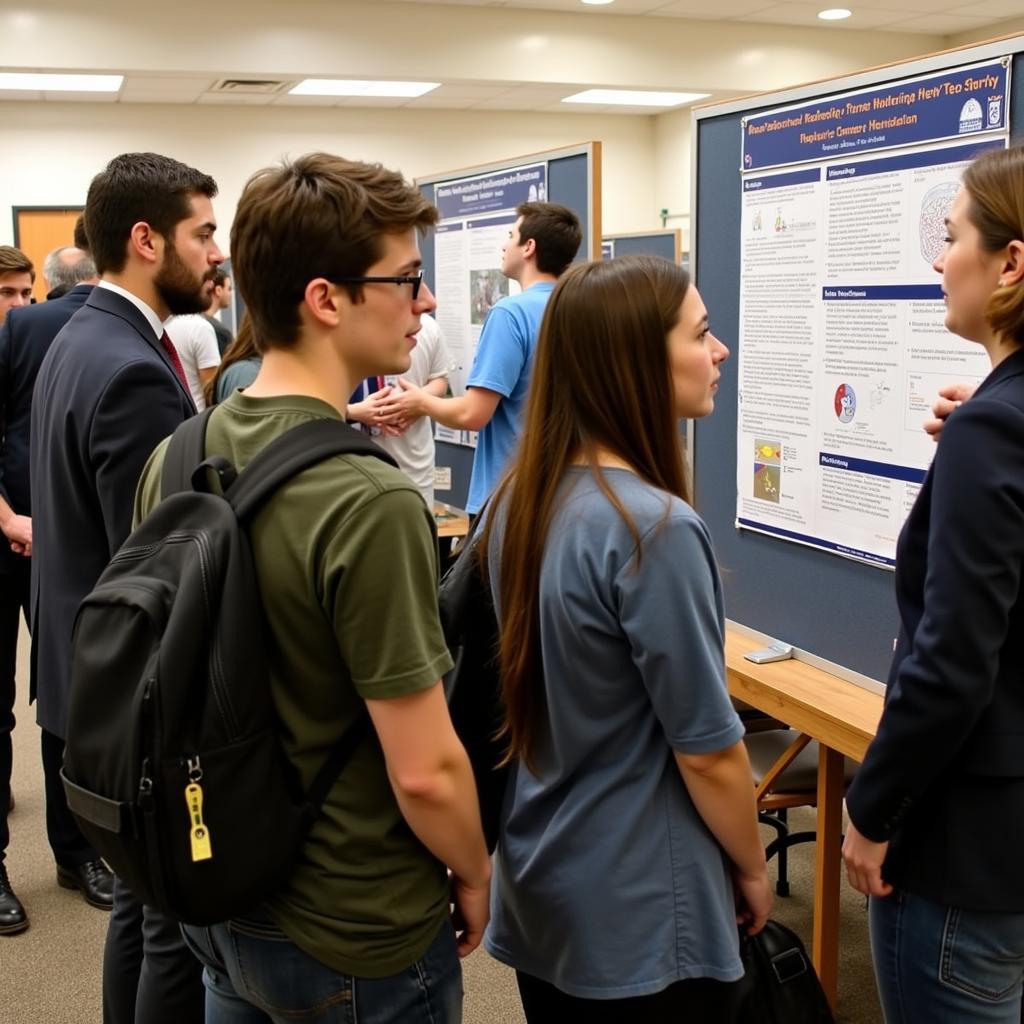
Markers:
{"x": 414, "y": 280}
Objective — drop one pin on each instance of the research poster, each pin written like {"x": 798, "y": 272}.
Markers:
{"x": 477, "y": 214}
{"x": 842, "y": 343}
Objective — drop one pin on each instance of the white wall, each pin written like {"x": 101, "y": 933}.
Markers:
{"x": 51, "y": 151}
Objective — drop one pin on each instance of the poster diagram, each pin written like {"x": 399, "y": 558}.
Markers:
{"x": 477, "y": 214}
{"x": 842, "y": 341}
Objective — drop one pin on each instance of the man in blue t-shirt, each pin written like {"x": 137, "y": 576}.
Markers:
{"x": 541, "y": 245}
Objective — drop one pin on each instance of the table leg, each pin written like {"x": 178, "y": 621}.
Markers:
{"x": 825, "y": 944}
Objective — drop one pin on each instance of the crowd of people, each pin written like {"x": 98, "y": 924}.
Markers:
{"x": 629, "y": 859}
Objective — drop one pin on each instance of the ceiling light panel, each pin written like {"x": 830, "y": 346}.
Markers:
{"x": 352, "y": 87}
{"x": 634, "y": 97}
{"x": 60, "y": 83}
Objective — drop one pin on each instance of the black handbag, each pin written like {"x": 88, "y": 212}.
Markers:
{"x": 473, "y": 686}
{"x": 780, "y": 985}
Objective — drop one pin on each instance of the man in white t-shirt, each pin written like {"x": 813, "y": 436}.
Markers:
{"x": 195, "y": 341}
{"x": 410, "y": 442}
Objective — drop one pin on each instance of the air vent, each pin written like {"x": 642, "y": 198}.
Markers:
{"x": 251, "y": 86}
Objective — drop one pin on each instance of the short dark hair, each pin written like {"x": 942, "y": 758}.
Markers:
{"x": 317, "y": 216}
{"x": 137, "y": 187}
{"x": 14, "y": 261}
{"x": 219, "y": 277}
{"x": 556, "y": 231}
{"x": 80, "y": 238}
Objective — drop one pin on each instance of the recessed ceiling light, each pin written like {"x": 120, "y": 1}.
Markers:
{"x": 834, "y": 14}
{"x": 351, "y": 87}
{"x": 60, "y": 83}
{"x": 634, "y": 97}
{"x": 597, "y": 3}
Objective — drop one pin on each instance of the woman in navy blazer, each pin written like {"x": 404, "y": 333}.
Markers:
{"x": 937, "y": 810}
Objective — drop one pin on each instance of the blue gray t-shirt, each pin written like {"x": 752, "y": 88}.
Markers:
{"x": 503, "y": 361}
{"x": 607, "y": 882}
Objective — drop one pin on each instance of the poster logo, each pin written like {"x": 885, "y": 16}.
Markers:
{"x": 970, "y": 117}
{"x": 995, "y": 112}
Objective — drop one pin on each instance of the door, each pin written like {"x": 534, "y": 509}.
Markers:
{"x": 40, "y": 230}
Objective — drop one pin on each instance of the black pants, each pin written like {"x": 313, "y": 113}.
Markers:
{"x": 149, "y": 975}
{"x": 69, "y": 846}
{"x": 14, "y": 590}
{"x": 695, "y": 1001}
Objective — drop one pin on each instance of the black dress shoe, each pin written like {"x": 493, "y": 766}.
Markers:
{"x": 93, "y": 878}
{"x": 13, "y": 918}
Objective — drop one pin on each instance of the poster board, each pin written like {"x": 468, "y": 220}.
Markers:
{"x": 462, "y": 258}
{"x": 666, "y": 243}
{"x": 839, "y": 610}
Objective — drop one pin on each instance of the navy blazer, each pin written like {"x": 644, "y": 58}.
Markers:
{"x": 944, "y": 778}
{"x": 106, "y": 395}
{"x": 25, "y": 338}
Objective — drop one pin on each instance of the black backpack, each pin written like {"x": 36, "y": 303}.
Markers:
{"x": 173, "y": 766}
{"x": 473, "y": 686}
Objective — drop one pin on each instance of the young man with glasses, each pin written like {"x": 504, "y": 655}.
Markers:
{"x": 325, "y": 255}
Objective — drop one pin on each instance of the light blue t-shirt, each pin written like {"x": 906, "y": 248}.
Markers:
{"x": 503, "y": 360}
{"x": 607, "y": 883}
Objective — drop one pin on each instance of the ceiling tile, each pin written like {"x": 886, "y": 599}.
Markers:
{"x": 989, "y": 9}
{"x": 807, "y": 15}
{"x": 154, "y": 84}
{"x": 704, "y": 10}
{"x": 941, "y": 24}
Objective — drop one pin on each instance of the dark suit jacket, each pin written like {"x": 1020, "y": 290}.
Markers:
{"x": 106, "y": 395}
{"x": 944, "y": 778}
{"x": 25, "y": 338}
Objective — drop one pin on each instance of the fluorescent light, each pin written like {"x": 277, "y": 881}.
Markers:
{"x": 597, "y": 3}
{"x": 351, "y": 87}
{"x": 834, "y": 14}
{"x": 634, "y": 97}
{"x": 60, "y": 83}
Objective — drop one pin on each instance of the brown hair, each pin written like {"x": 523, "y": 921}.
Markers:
{"x": 556, "y": 231}
{"x": 601, "y": 380}
{"x": 14, "y": 261}
{"x": 318, "y": 216}
{"x": 995, "y": 186}
{"x": 243, "y": 346}
{"x": 137, "y": 187}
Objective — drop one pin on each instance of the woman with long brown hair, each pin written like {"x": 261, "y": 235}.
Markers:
{"x": 629, "y": 846}
{"x": 238, "y": 366}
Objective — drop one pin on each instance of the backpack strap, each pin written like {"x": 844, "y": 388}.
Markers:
{"x": 185, "y": 452}
{"x": 295, "y": 450}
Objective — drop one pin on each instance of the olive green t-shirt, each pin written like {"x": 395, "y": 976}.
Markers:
{"x": 347, "y": 566}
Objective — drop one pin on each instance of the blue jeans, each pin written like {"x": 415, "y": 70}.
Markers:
{"x": 253, "y": 974}
{"x": 943, "y": 965}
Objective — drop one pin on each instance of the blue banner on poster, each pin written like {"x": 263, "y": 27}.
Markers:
{"x": 782, "y": 180}
{"x": 501, "y": 190}
{"x": 946, "y": 105}
{"x": 884, "y": 469}
{"x": 882, "y": 293}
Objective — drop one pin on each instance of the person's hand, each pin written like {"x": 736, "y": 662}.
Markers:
{"x": 394, "y": 428}
{"x": 864, "y": 860}
{"x": 369, "y": 410}
{"x": 406, "y": 404}
{"x": 471, "y": 914}
{"x": 18, "y": 531}
{"x": 951, "y": 397}
{"x": 754, "y": 899}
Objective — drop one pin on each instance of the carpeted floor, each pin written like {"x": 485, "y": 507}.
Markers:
{"x": 51, "y": 973}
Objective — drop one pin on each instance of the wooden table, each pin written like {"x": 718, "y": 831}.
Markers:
{"x": 843, "y": 718}
{"x": 451, "y": 522}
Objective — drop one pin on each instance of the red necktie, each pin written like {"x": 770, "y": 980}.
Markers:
{"x": 172, "y": 354}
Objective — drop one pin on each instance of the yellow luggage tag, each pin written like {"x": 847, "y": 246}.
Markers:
{"x": 200, "y": 834}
